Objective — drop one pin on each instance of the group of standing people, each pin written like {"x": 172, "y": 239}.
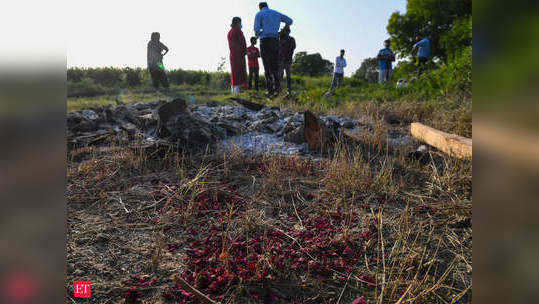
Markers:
{"x": 386, "y": 57}
{"x": 276, "y": 49}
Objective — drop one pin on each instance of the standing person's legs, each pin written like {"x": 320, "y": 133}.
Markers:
{"x": 383, "y": 76}
{"x": 256, "y": 72}
{"x": 389, "y": 75}
{"x": 333, "y": 82}
{"x": 164, "y": 79}
{"x": 274, "y": 64}
{"x": 155, "y": 77}
{"x": 288, "y": 77}
{"x": 250, "y": 80}
{"x": 422, "y": 62}
{"x": 339, "y": 79}
{"x": 281, "y": 70}
{"x": 265, "y": 53}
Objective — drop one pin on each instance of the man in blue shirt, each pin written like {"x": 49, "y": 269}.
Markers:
{"x": 421, "y": 50}
{"x": 385, "y": 58}
{"x": 338, "y": 75}
{"x": 267, "y": 24}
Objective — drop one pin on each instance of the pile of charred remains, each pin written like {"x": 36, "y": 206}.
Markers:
{"x": 190, "y": 126}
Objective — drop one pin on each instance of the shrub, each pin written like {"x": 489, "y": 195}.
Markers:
{"x": 86, "y": 88}
{"x": 220, "y": 80}
{"x": 454, "y": 77}
{"x": 352, "y": 82}
{"x": 105, "y": 76}
{"x": 133, "y": 77}
{"x": 75, "y": 74}
{"x": 180, "y": 76}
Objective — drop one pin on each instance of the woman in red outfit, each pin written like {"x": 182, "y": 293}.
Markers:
{"x": 238, "y": 49}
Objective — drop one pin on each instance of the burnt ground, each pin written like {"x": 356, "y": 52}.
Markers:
{"x": 364, "y": 223}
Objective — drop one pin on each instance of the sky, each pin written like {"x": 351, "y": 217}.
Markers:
{"x": 115, "y": 33}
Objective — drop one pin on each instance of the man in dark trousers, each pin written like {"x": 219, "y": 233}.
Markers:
{"x": 252, "y": 55}
{"x": 155, "y": 61}
{"x": 287, "y": 45}
{"x": 267, "y": 24}
{"x": 421, "y": 51}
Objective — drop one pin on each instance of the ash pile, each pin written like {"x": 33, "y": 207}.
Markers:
{"x": 250, "y": 127}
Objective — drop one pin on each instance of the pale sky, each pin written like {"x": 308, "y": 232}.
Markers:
{"x": 115, "y": 33}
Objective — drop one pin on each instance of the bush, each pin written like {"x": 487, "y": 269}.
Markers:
{"x": 105, "y": 76}
{"x": 180, "y": 76}
{"x": 454, "y": 77}
{"x": 133, "y": 77}
{"x": 220, "y": 80}
{"x": 352, "y": 82}
{"x": 86, "y": 88}
{"x": 75, "y": 74}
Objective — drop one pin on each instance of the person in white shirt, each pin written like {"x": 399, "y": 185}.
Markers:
{"x": 340, "y": 64}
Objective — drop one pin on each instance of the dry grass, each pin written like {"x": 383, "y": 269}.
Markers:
{"x": 366, "y": 221}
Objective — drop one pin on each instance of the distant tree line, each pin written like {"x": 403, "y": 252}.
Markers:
{"x": 312, "y": 65}
{"x": 97, "y": 81}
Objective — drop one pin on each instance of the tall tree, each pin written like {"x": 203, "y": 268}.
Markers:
{"x": 311, "y": 65}
{"x": 434, "y": 18}
{"x": 367, "y": 69}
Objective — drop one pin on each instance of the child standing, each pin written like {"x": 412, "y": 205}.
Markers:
{"x": 252, "y": 55}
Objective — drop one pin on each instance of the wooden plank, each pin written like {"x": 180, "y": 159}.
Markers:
{"x": 451, "y": 144}
{"x": 249, "y": 105}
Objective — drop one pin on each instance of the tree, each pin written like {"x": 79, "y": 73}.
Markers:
{"x": 311, "y": 65}
{"x": 221, "y": 64}
{"x": 367, "y": 69}
{"x": 455, "y": 41}
{"x": 433, "y": 18}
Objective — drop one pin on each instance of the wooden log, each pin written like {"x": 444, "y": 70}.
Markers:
{"x": 317, "y": 135}
{"x": 454, "y": 145}
{"x": 249, "y": 105}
